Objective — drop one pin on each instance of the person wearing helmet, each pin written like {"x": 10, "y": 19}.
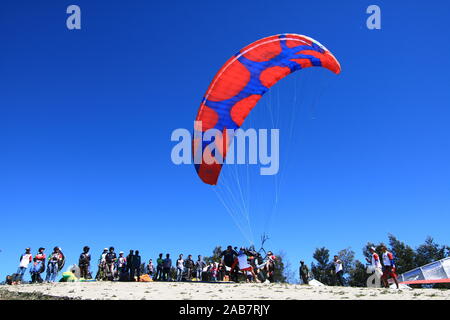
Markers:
{"x": 388, "y": 267}
{"x": 84, "y": 263}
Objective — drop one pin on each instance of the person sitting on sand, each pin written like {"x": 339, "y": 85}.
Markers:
{"x": 388, "y": 267}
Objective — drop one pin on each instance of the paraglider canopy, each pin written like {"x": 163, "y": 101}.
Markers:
{"x": 241, "y": 83}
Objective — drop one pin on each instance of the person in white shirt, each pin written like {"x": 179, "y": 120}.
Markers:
{"x": 180, "y": 267}
{"x": 339, "y": 270}
{"x": 25, "y": 260}
{"x": 375, "y": 263}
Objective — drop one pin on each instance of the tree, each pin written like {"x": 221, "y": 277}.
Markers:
{"x": 322, "y": 270}
{"x": 404, "y": 255}
{"x": 215, "y": 257}
{"x": 430, "y": 251}
{"x": 281, "y": 269}
{"x": 357, "y": 276}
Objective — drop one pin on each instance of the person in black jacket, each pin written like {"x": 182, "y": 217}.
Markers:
{"x": 111, "y": 258}
{"x": 136, "y": 265}
{"x": 84, "y": 263}
{"x": 130, "y": 259}
{"x": 229, "y": 257}
{"x": 189, "y": 265}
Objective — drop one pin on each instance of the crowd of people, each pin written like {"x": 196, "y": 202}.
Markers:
{"x": 233, "y": 264}
{"x": 38, "y": 265}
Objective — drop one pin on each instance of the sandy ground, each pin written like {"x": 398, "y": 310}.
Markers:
{"x": 211, "y": 291}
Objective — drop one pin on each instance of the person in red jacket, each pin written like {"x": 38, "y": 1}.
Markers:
{"x": 388, "y": 267}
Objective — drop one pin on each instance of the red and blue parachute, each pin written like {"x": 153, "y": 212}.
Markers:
{"x": 243, "y": 80}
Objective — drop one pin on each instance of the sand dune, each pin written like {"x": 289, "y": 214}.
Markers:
{"x": 211, "y": 291}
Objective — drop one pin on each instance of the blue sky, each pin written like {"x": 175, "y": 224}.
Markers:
{"x": 86, "y": 118}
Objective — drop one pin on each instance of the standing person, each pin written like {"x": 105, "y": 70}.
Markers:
{"x": 338, "y": 270}
{"x": 150, "y": 268}
{"x": 40, "y": 256}
{"x": 304, "y": 272}
{"x": 180, "y": 267}
{"x": 159, "y": 267}
{"x": 167, "y": 264}
{"x": 84, "y": 262}
{"x": 24, "y": 261}
{"x": 136, "y": 265}
{"x": 221, "y": 271}
{"x": 122, "y": 267}
{"x": 229, "y": 257}
{"x": 53, "y": 264}
{"x": 130, "y": 263}
{"x": 242, "y": 262}
{"x": 213, "y": 270}
{"x": 36, "y": 271}
{"x": 388, "y": 267}
{"x": 375, "y": 263}
{"x": 199, "y": 266}
{"x": 110, "y": 260}
{"x": 102, "y": 265}
{"x": 269, "y": 266}
{"x": 189, "y": 265}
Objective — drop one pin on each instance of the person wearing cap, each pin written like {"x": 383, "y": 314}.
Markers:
{"x": 24, "y": 261}
{"x": 388, "y": 267}
{"x": 375, "y": 263}
{"x": 304, "y": 272}
{"x": 84, "y": 263}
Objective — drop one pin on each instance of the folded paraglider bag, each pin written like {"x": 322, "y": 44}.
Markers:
{"x": 68, "y": 277}
{"x": 145, "y": 278}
